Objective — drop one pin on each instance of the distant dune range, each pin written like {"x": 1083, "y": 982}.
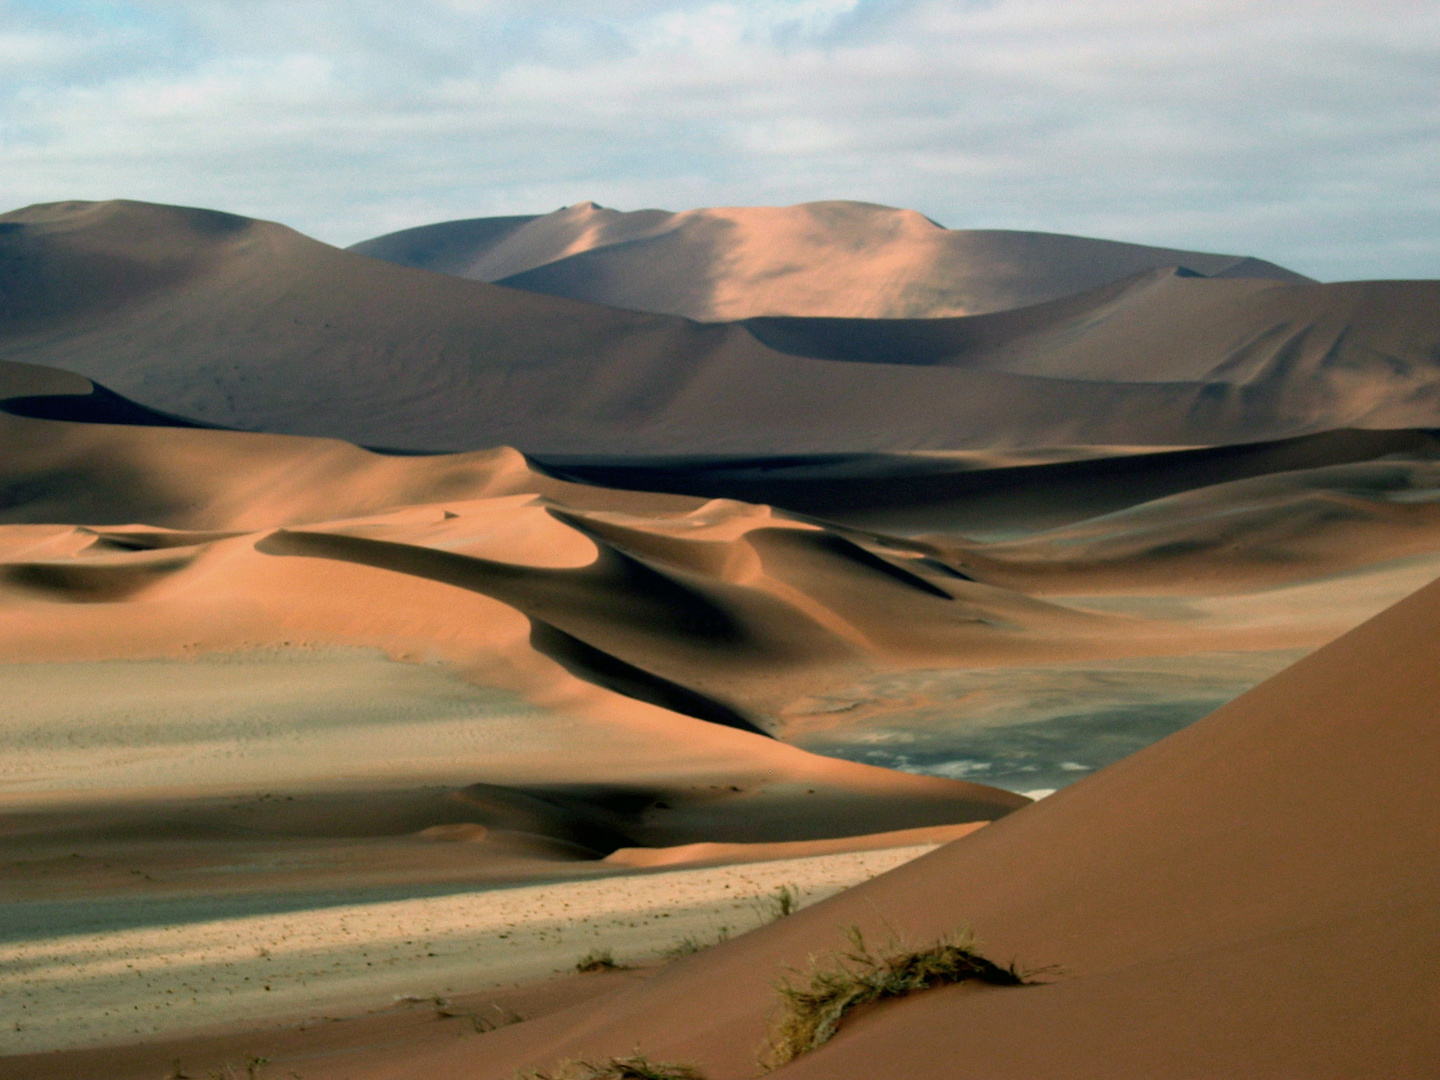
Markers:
{"x": 829, "y": 259}
{"x": 246, "y": 324}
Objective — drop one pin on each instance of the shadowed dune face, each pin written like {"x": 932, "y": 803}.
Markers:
{"x": 1247, "y": 898}
{"x": 278, "y": 671}
{"x": 250, "y": 325}
{"x": 845, "y": 259}
{"x": 1027, "y": 659}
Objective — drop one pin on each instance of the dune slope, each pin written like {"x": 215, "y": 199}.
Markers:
{"x": 139, "y": 542}
{"x": 820, "y": 259}
{"x": 1248, "y": 898}
{"x": 246, "y": 324}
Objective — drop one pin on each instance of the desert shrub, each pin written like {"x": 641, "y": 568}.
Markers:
{"x": 691, "y": 944}
{"x": 638, "y": 1067}
{"x": 782, "y": 902}
{"x": 497, "y": 1017}
{"x": 597, "y": 960}
{"x": 811, "y": 1010}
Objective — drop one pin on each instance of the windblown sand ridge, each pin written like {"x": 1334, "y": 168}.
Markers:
{"x": 734, "y": 614}
{"x": 247, "y": 324}
{"x": 847, "y": 259}
{"x": 263, "y": 681}
{"x": 1250, "y": 897}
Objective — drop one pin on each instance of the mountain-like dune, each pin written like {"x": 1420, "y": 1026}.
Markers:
{"x": 374, "y": 634}
{"x": 1251, "y": 897}
{"x": 126, "y": 538}
{"x": 837, "y": 259}
{"x": 245, "y": 324}
{"x": 140, "y": 542}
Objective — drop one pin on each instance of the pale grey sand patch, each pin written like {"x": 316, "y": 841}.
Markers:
{"x": 270, "y": 716}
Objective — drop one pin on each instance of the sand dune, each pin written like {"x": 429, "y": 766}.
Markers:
{"x": 312, "y": 562}
{"x": 246, "y": 324}
{"x": 669, "y": 591}
{"x": 845, "y": 259}
{"x": 1250, "y": 897}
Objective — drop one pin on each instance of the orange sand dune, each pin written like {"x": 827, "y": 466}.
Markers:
{"x": 825, "y": 258}
{"x": 247, "y": 324}
{"x": 268, "y": 677}
{"x": 1251, "y": 897}
{"x": 727, "y": 612}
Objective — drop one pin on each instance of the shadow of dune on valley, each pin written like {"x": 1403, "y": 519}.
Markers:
{"x": 850, "y": 536}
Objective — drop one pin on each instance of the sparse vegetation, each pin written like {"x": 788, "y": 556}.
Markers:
{"x": 252, "y": 1070}
{"x": 495, "y": 1017}
{"x": 638, "y": 1067}
{"x": 811, "y": 1011}
{"x": 782, "y": 902}
{"x": 597, "y": 960}
{"x": 690, "y": 944}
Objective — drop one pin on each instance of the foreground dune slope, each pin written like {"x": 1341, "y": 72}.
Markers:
{"x": 246, "y": 324}
{"x": 1251, "y": 897}
{"x": 825, "y": 258}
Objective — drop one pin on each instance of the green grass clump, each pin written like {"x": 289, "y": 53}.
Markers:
{"x": 597, "y": 960}
{"x": 812, "y": 1011}
{"x": 638, "y": 1067}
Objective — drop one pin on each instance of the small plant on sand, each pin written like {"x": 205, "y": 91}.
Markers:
{"x": 638, "y": 1067}
{"x": 252, "y": 1070}
{"x": 492, "y": 1019}
{"x": 812, "y": 1010}
{"x": 597, "y": 960}
{"x": 690, "y": 944}
{"x": 782, "y": 902}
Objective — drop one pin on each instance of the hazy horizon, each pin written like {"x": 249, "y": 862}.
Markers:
{"x": 1305, "y": 134}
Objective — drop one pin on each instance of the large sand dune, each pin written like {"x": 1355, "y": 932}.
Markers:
{"x": 1252, "y": 897}
{"x": 664, "y": 597}
{"x": 824, "y": 259}
{"x": 131, "y": 542}
{"x": 250, "y": 325}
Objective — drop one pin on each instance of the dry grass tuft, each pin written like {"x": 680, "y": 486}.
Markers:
{"x": 782, "y": 902}
{"x": 638, "y": 1067}
{"x": 597, "y": 960}
{"x": 692, "y": 944}
{"x": 812, "y": 1012}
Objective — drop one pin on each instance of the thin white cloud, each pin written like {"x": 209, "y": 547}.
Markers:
{"x": 1306, "y": 132}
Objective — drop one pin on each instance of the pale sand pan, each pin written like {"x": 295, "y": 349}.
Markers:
{"x": 152, "y": 982}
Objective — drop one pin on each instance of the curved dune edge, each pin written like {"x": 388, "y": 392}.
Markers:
{"x": 621, "y": 609}
{"x": 705, "y": 854}
{"x": 191, "y": 313}
{"x": 1219, "y": 904}
{"x": 834, "y": 258}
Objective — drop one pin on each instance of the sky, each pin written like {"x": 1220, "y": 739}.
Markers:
{"x": 1302, "y": 131}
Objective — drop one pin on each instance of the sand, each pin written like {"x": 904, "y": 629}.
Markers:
{"x": 829, "y": 259}
{"x": 194, "y": 313}
{"x": 1248, "y": 897}
{"x": 197, "y": 973}
{"x": 269, "y": 686}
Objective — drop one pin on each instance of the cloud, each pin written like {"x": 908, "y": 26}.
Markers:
{"x": 1305, "y": 132}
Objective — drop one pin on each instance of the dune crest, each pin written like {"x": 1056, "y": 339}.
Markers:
{"x": 249, "y": 325}
{"x": 833, "y": 259}
{"x": 358, "y": 622}
{"x": 1247, "y": 898}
